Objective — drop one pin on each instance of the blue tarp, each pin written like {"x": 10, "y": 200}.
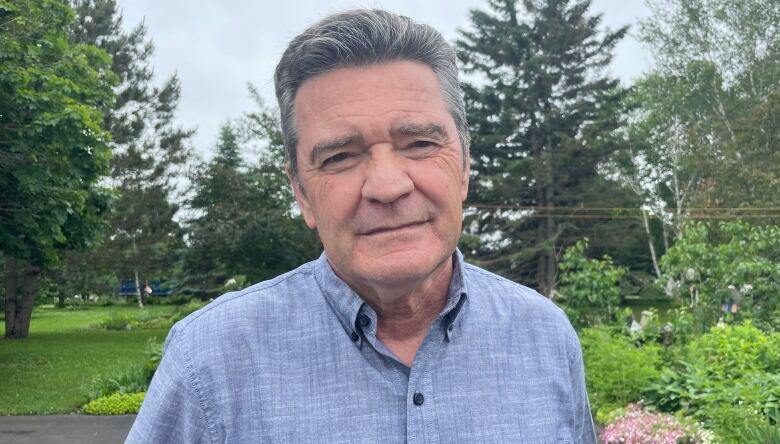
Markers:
{"x": 127, "y": 288}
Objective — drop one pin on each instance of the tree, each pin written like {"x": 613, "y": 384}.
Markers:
{"x": 707, "y": 131}
{"x": 53, "y": 148}
{"x": 542, "y": 122}
{"x": 149, "y": 151}
{"x": 244, "y": 225}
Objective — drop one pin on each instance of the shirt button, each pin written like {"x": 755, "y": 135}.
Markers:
{"x": 354, "y": 336}
{"x": 451, "y": 327}
{"x": 418, "y": 399}
{"x": 364, "y": 320}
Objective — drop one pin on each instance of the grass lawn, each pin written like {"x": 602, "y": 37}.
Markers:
{"x": 54, "y": 369}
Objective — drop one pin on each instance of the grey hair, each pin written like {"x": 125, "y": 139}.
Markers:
{"x": 364, "y": 37}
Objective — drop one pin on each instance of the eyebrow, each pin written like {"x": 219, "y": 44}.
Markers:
{"x": 423, "y": 130}
{"x": 321, "y": 148}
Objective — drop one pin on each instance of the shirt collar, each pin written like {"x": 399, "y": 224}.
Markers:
{"x": 348, "y": 305}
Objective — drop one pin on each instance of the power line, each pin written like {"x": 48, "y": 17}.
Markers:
{"x": 695, "y": 213}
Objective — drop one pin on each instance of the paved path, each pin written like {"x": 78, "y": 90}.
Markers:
{"x": 64, "y": 429}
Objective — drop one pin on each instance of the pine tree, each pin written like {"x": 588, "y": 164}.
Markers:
{"x": 244, "y": 226}
{"x": 543, "y": 116}
{"x": 149, "y": 151}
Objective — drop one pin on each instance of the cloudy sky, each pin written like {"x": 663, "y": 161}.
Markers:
{"x": 217, "y": 47}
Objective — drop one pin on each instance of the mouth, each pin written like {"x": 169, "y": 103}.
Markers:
{"x": 391, "y": 228}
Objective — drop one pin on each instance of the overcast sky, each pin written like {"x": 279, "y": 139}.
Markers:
{"x": 217, "y": 47}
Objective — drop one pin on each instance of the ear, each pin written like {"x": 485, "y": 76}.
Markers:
{"x": 300, "y": 197}
{"x": 464, "y": 183}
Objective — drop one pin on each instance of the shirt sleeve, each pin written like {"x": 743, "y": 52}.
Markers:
{"x": 584, "y": 430}
{"x": 173, "y": 410}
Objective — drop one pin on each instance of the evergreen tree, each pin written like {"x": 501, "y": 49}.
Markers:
{"x": 149, "y": 151}
{"x": 543, "y": 116}
{"x": 244, "y": 227}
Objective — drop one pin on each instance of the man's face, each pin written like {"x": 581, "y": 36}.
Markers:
{"x": 382, "y": 171}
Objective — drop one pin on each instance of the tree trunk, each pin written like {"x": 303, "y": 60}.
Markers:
{"x": 547, "y": 267}
{"x": 138, "y": 291}
{"x": 650, "y": 244}
{"x": 21, "y": 284}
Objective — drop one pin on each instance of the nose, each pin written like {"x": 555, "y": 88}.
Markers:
{"x": 386, "y": 179}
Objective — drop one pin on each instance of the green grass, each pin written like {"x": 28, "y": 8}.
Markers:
{"x": 56, "y": 367}
{"x": 51, "y": 320}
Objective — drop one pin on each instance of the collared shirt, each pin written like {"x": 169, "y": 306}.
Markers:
{"x": 297, "y": 359}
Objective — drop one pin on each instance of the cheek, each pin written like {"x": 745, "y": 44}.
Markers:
{"x": 337, "y": 197}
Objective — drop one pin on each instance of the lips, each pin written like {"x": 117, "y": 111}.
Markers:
{"x": 390, "y": 228}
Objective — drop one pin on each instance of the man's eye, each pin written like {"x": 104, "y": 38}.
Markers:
{"x": 340, "y": 157}
{"x": 422, "y": 144}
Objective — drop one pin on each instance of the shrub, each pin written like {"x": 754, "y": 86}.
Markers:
{"x": 115, "y": 404}
{"x": 638, "y": 426}
{"x": 731, "y": 262}
{"x": 728, "y": 378}
{"x": 616, "y": 370}
{"x": 764, "y": 434}
{"x": 191, "y": 307}
{"x": 136, "y": 379}
{"x": 589, "y": 287}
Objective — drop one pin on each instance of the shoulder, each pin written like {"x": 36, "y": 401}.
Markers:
{"x": 262, "y": 305}
{"x": 493, "y": 290}
{"x": 500, "y": 301}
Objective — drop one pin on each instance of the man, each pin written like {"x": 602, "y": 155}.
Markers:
{"x": 389, "y": 336}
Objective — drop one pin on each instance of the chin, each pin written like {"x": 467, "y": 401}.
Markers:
{"x": 402, "y": 267}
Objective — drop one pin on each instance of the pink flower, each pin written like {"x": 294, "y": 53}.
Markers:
{"x": 638, "y": 426}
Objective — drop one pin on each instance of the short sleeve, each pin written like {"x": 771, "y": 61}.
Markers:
{"x": 172, "y": 411}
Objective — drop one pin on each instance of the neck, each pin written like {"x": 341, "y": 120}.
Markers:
{"x": 405, "y": 312}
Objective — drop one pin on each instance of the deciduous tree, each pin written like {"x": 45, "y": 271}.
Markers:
{"x": 53, "y": 149}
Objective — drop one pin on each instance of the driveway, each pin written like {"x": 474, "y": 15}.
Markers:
{"x": 64, "y": 429}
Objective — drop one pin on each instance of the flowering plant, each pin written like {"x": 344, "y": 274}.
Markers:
{"x": 639, "y": 426}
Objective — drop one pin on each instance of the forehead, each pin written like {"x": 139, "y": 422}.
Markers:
{"x": 369, "y": 99}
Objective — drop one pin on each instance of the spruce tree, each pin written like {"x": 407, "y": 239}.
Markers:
{"x": 149, "y": 151}
{"x": 543, "y": 114}
{"x": 244, "y": 227}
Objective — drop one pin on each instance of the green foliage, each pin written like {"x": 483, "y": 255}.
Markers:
{"x": 589, "y": 287}
{"x": 726, "y": 263}
{"x": 143, "y": 241}
{"x": 763, "y": 434}
{"x": 616, "y": 371}
{"x": 53, "y": 150}
{"x": 115, "y": 404}
{"x": 134, "y": 379}
{"x": 245, "y": 230}
{"x": 55, "y": 372}
{"x": 185, "y": 310}
{"x": 729, "y": 379}
{"x": 541, "y": 123}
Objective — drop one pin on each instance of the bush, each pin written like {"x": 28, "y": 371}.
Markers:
{"x": 185, "y": 310}
{"x": 729, "y": 262}
{"x": 138, "y": 322}
{"x": 638, "y": 426}
{"x": 728, "y": 378}
{"x": 616, "y": 370}
{"x": 133, "y": 380}
{"x": 115, "y": 404}
{"x": 589, "y": 287}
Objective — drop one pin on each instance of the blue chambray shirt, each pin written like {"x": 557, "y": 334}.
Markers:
{"x": 297, "y": 359}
